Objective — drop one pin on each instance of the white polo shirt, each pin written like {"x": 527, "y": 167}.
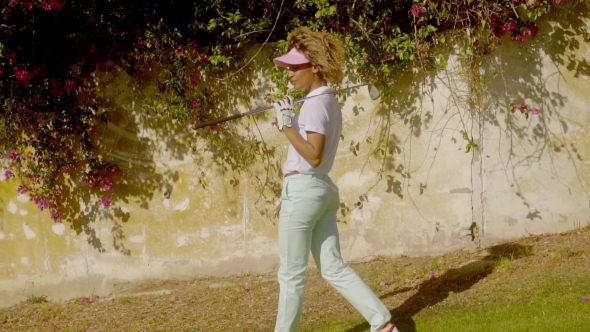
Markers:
{"x": 321, "y": 114}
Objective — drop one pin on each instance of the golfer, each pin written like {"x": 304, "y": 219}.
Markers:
{"x": 309, "y": 199}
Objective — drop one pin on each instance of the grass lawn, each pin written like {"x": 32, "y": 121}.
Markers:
{"x": 538, "y": 283}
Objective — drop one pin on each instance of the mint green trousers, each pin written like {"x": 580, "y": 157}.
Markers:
{"x": 308, "y": 223}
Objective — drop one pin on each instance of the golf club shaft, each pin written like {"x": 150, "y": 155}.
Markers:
{"x": 262, "y": 109}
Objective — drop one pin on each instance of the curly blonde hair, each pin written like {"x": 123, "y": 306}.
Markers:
{"x": 323, "y": 49}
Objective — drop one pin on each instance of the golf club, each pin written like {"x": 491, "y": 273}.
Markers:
{"x": 374, "y": 93}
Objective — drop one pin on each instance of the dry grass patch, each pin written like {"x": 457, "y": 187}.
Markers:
{"x": 410, "y": 286}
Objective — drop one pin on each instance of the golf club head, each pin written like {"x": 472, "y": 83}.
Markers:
{"x": 374, "y": 93}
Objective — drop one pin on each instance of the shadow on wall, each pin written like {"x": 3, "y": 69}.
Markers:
{"x": 559, "y": 40}
{"x": 453, "y": 281}
{"x": 146, "y": 144}
{"x": 410, "y": 102}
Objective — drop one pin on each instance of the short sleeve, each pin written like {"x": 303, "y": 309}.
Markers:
{"x": 315, "y": 113}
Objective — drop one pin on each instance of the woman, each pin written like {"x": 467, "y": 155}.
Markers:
{"x": 310, "y": 199}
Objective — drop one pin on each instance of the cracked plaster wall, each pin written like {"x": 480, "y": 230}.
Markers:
{"x": 530, "y": 176}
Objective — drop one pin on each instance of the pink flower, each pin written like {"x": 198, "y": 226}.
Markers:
{"x": 55, "y": 215}
{"x": 534, "y": 29}
{"x": 510, "y": 25}
{"x": 22, "y": 76}
{"x": 558, "y": 1}
{"x": 417, "y": 10}
{"x": 27, "y": 4}
{"x": 70, "y": 86}
{"x": 584, "y": 299}
{"x": 42, "y": 203}
{"x": 52, "y": 4}
{"x": 106, "y": 202}
{"x": 535, "y": 111}
{"x": 8, "y": 175}
{"x": 519, "y": 38}
{"x": 13, "y": 155}
{"x": 366, "y": 60}
{"x": 23, "y": 190}
{"x": 520, "y": 107}
{"x": 431, "y": 275}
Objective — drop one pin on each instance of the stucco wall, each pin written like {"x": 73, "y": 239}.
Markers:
{"x": 529, "y": 176}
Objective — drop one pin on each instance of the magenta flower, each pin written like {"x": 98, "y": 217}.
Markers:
{"x": 55, "y": 215}
{"x": 584, "y": 299}
{"x": 510, "y": 25}
{"x": 106, "y": 202}
{"x": 22, "y": 77}
{"x": 52, "y": 4}
{"x": 417, "y": 10}
{"x": 366, "y": 60}
{"x": 70, "y": 86}
{"x": 532, "y": 30}
{"x": 27, "y": 4}
{"x": 535, "y": 111}
{"x": 431, "y": 275}
{"x": 558, "y": 1}
{"x": 13, "y": 155}
{"x": 518, "y": 38}
{"x": 520, "y": 107}
{"x": 23, "y": 190}
{"x": 247, "y": 288}
{"x": 8, "y": 175}
{"x": 42, "y": 203}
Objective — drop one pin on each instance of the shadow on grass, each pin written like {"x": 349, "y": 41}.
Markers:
{"x": 455, "y": 280}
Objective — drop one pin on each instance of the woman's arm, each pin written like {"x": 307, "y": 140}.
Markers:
{"x": 311, "y": 150}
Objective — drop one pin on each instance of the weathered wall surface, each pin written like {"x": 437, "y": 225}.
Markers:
{"x": 430, "y": 197}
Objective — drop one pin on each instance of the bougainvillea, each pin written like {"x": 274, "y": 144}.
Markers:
{"x": 50, "y": 48}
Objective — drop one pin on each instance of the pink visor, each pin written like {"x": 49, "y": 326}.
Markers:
{"x": 294, "y": 57}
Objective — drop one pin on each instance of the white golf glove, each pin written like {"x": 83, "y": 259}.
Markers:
{"x": 285, "y": 113}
